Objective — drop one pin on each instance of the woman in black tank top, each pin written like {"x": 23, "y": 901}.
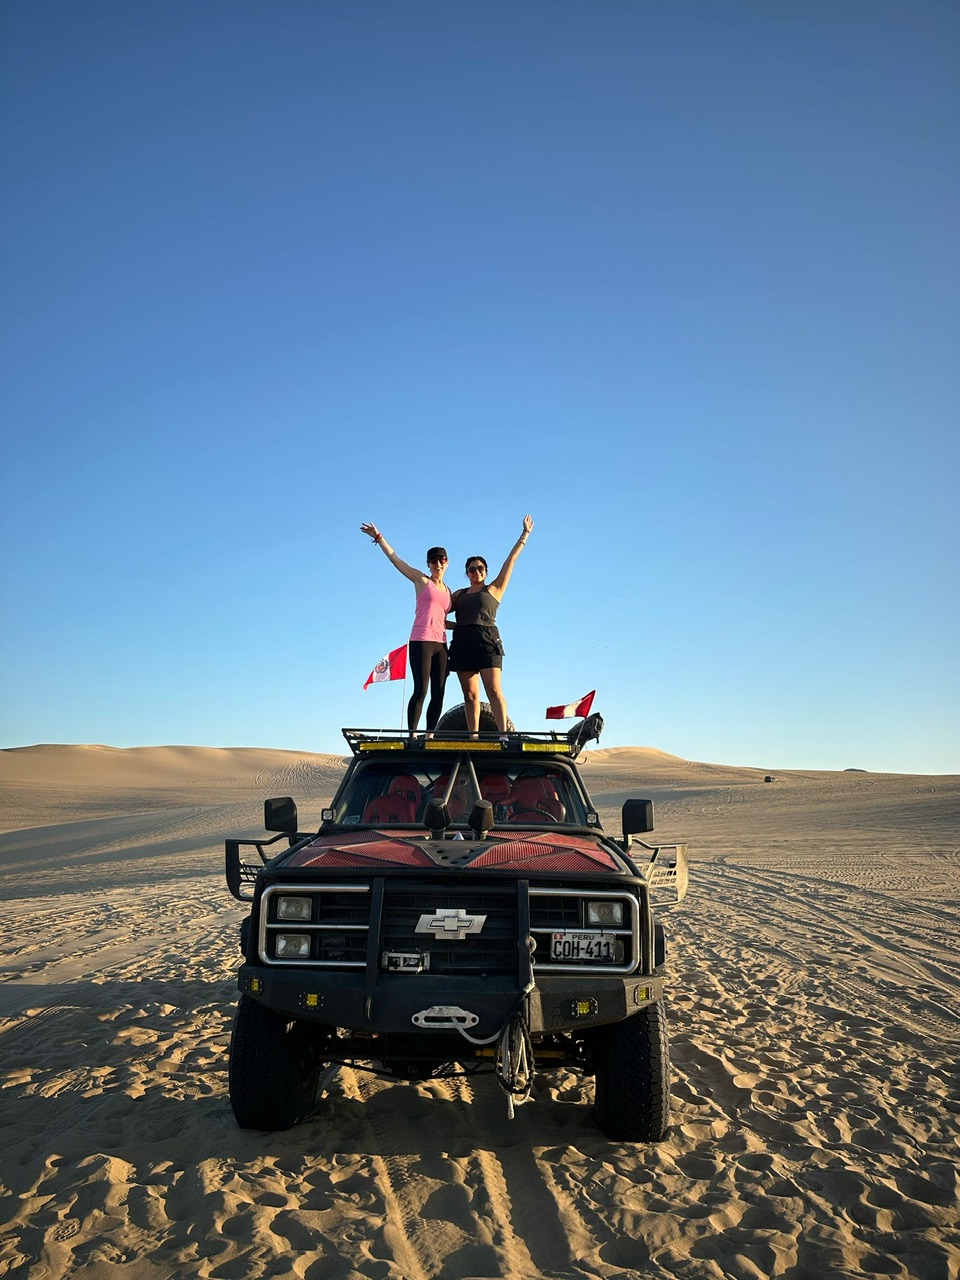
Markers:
{"x": 476, "y": 650}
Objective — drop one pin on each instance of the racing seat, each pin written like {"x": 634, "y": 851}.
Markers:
{"x": 382, "y": 809}
{"x": 495, "y": 787}
{"x": 406, "y": 785}
{"x": 533, "y": 798}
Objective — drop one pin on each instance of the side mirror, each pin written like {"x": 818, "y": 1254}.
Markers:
{"x": 280, "y": 814}
{"x": 435, "y": 816}
{"x": 637, "y": 817}
{"x": 481, "y": 817}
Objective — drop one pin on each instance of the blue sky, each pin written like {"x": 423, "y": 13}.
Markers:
{"x": 679, "y": 279}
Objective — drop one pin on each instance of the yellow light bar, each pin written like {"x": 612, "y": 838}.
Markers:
{"x": 435, "y": 744}
{"x": 554, "y": 748}
{"x": 380, "y": 746}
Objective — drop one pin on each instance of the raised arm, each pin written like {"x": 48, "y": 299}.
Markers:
{"x": 416, "y": 576}
{"x": 499, "y": 585}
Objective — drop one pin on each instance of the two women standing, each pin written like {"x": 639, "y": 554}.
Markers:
{"x": 476, "y": 650}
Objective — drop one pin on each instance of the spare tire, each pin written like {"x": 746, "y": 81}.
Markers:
{"x": 456, "y": 719}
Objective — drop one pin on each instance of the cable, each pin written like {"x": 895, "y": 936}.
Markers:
{"x": 515, "y": 1066}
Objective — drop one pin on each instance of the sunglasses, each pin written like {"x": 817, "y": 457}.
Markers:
{"x": 474, "y": 568}
{"x": 437, "y": 560}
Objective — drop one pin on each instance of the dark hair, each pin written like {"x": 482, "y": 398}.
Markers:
{"x": 475, "y": 558}
{"x": 436, "y": 553}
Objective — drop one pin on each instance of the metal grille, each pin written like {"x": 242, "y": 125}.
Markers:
{"x": 340, "y": 948}
{"x": 494, "y": 950}
{"x": 334, "y": 944}
{"x": 554, "y": 912}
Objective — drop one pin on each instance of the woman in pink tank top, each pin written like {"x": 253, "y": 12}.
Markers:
{"x": 428, "y": 636}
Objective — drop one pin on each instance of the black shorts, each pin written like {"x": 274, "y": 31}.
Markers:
{"x": 474, "y": 648}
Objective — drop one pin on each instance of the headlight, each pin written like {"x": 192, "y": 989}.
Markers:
{"x": 605, "y": 913}
{"x": 293, "y": 946}
{"x": 294, "y": 908}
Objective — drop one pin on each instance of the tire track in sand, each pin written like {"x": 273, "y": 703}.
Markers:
{"x": 526, "y": 1212}
{"x": 405, "y": 1235}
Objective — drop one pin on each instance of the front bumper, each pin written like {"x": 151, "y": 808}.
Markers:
{"x": 398, "y": 1004}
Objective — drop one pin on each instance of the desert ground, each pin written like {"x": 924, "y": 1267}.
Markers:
{"x": 815, "y": 1029}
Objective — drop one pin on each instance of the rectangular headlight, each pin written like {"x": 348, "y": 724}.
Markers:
{"x": 605, "y": 913}
{"x": 294, "y": 908}
{"x": 293, "y": 946}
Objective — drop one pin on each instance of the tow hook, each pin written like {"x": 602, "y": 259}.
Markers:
{"x": 444, "y": 1017}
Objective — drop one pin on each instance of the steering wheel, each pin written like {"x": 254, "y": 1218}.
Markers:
{"x": 537, "y": 815}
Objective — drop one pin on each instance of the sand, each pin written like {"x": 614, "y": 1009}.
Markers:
{"x": 815, "y": 1027}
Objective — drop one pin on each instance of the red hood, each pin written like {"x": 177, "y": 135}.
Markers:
{"x": 502, "y": 850}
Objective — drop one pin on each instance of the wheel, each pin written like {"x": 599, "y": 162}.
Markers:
{"x": 274, "y": 1068}
{"x": 632, "y": 1069}
{"x": 456, "y": 719}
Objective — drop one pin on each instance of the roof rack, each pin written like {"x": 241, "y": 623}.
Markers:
{"x": 547, "y": 742}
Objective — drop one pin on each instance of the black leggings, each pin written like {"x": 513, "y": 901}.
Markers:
{"x": 428, "y": 663}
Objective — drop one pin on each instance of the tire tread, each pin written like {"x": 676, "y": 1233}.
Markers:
{"x": 266, "y": 1091}
{"x": 632, "y": 1067}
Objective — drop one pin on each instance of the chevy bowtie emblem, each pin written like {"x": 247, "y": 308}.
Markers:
{"x": 449, "y": 922}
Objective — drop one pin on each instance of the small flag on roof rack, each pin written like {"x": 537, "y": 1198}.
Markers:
{"x": 392, "y": 667}
{"x": 581, "y": 708}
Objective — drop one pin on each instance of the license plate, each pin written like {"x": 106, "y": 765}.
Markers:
{"x": 600, "y": 948}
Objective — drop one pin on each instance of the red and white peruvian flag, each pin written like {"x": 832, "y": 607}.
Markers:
{"x": 572, "y": 709}
{"x": 392, "y": 667}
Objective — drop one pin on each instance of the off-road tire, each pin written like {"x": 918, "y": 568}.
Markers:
{"x": 632, "y": 1069}
{"x": 274, "y": 1068}
{"x": 456, "y": 719}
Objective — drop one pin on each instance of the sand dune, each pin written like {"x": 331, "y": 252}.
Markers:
{"x": 815, "y": 1021}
